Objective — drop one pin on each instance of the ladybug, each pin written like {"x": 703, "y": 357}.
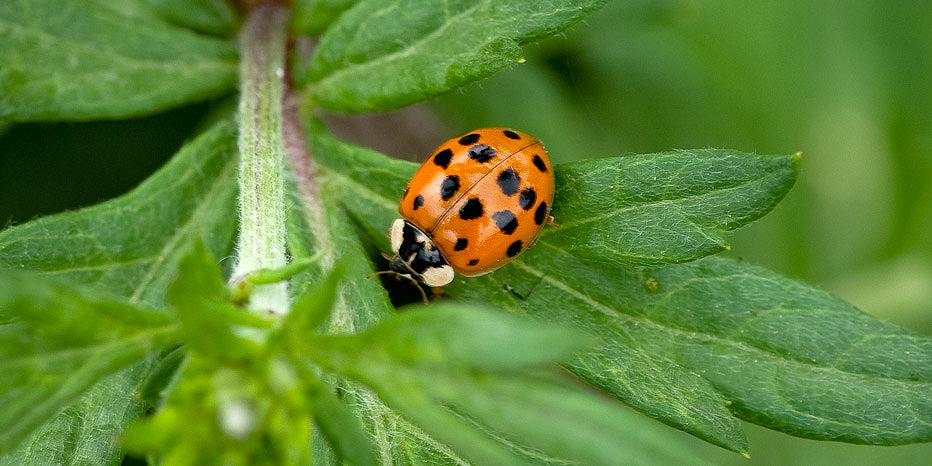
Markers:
{"x": 473, "y": 206}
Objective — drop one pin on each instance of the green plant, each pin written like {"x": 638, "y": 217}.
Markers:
{"x": 114, "y": 309}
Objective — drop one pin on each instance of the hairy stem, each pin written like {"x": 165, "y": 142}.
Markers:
{"x": 261, "y": 242}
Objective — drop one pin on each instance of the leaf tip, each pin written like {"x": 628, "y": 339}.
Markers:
{"x": 522, "y": 60}
{"x": 798, "y": 156}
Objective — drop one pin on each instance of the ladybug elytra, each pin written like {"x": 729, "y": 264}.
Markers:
{"x": 473, "y": 206}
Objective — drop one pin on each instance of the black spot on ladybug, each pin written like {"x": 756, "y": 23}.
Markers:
{"x": 540, "y": 213}
{"x": 509, "y": 181}
{"x": 539, "y": 163}
{"x": 461, "y": 244}
{"x": 468, "y": 139}
{"x": 443, "y": 157}
{"x": 405, "y": 194}
{"x": 511, "y": 134}
{"x": 471, "y": 209}
{"x": 473, "y": 262}
{"x": 514, "y": 249}
{"x": 449, "y": 187}
{"x": 481, "y": 153}
{"x": 506, "y": 221}
{"x": 418, "y": 201}
{"x": 527, "y": 199}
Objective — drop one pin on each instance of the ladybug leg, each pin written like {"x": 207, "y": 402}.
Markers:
{"x": 419, "y": 288}
{"x": 551, "y": 222}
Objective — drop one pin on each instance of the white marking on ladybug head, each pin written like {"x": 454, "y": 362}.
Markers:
{"x": 396, "y": 234}
{"x": 437, "y": 276}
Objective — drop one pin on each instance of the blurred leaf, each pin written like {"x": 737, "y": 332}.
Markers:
{"x": 380, "y": 56}
{"x": 203, "y": 302}
{"x": 57, "y": 339}
{"x": 312, "y": 308}
{"x": 344, "y": 431}
{"x": 129, "y": 246}
{"x": 666, "y": 358}
{"x": 75, "y": 60}
{"x": 313, "y": 16}
{"x": 432, "y": 364}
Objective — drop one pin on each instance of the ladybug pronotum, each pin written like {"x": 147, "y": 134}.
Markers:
{"x": 473, "y": 206}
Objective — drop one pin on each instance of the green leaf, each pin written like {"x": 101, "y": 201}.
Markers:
{"x": 433, "y": 365}
{"x": 203, "y": 303}
{"x": 83, "y": 433}
{"x": 344, "y": 431}
{"x": 383, "y": 55}
{"x": 660, "y": 208}
{"x": 777, "y": 352}
{"x": 446, "y": 335}
{"x": 58, "y": 339}
{"x": 129, "y": 246}
{"x": 361, "y": 302}
{"x": 794, "y": 358}
{"x": 215, "y": 17}
{"x": 312, "y": 17}
{"x": 588, "y": 428}
{"x": 312, "y": 308}
{"x": 76, "y": 60}
{"x": 686, "y": 374}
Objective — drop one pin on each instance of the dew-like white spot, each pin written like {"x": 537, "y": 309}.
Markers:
{"x": 237, "y": 419}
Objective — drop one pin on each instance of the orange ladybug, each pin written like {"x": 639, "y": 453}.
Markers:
{"x": 473, "y": 206}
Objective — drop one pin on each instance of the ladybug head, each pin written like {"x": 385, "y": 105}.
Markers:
{"x": 416, "y": 255}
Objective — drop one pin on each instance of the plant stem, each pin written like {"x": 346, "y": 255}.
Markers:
{"x": 261, "y": 242}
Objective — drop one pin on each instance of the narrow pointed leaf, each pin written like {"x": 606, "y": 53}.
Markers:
{"x": 383, "y": 55}
{"x": 201, "y": 299}
{"x": 77, "y": 60}
{"x": 57, "y": 339}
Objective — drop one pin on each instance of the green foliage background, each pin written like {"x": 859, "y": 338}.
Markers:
{"x": 847, "y": 87}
